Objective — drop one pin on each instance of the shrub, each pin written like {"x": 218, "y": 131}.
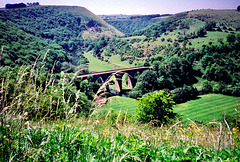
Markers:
{"x": 156, "y": 107}
{"x": 231, "y": 38}
{"x": 184, "y": 94}
{"x": 137, "y": 91}
{"x": 207, "y": 86}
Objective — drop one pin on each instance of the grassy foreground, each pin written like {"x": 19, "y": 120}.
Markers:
{"x": 103, "y": 139}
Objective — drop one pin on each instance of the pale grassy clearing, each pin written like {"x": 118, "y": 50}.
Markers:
{"x": 96, "y": 65}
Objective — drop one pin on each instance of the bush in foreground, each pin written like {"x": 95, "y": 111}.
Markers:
{"x": 156, "y": 107}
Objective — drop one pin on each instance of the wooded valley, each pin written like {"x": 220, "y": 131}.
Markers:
{"x": 183, "y": 108}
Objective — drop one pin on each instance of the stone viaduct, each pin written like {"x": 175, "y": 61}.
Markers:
{"x": 105, "y": 76}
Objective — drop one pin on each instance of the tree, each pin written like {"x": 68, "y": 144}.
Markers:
{"x": 149, "y": 80}
{"x": 178, "y": 70}
{"x": 201, "y": 32}
{"x": 138, "y": 91}
{"x": 156, "y": 106}
{"x": 210, "y": 25}
{"x": 231, "y": 38}
{"x": 238, "y": 8}
{"x": 156, "y": 65}
{"x": 238, "y": 38}
{"x": 207, "y": 86}
{"x": 184, "y": 94}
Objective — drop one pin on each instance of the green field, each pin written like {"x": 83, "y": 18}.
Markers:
{"x": 116, "y": 61}
{"x": 117, "y": 103}
{"x": 96, "y": 65}
{"x": 212, "y": 36}
{"x": 208, "y": 107}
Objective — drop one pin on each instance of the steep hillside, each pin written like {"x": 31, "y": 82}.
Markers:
{"x": 44, "y": 18}
{"x": 21, "y": 48}
{"x": 65, "y": 28}
{"x": 227, "y": 18}
{"x": 132, "y": 23}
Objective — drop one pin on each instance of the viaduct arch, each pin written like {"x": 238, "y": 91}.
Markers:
{"x": 105, "y": 75}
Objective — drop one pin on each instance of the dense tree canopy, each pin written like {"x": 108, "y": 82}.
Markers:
{"x": 28, "y": 32}
{"x": 130, "y": 26}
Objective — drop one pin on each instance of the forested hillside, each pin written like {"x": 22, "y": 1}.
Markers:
{"x": 198, "y": 44}
{"x": 28, "y": 32}
{"x": 130, "y": 24}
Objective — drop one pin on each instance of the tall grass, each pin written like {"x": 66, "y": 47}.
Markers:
{"x": 100, "y": 139}
{"x": 37, "y": 94}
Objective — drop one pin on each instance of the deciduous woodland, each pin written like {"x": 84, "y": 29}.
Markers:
{"x": 183, "y": 108}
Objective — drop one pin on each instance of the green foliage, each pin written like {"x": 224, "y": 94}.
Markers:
{"x": 130, "y": 26}
{"x": 89, "y": 88}
{"x": 42, "y": 22}
{"x": 171, "y": 73}
{"x": 207, "y": 86}
{"x": 210, "y": 25}
{"x": 157, "y": 29}
{"x": 231, "y": 38}
{"x": 156, "y": 107}
{"x": 21, "y": 48}
{"x": 178, "y": 70}
{"x": 231, "y": 90}
{"x": 149, "y": 80}
{"x": 201, "y": 32}
{"x": 29, "y": 32}
{"x": 231, "y": 119}
{"x": 184, "y": 94}
{"x": 221, "y": 63}
{"x": 138, "y": 91}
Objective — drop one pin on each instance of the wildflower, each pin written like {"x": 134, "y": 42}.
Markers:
{"x": 69, "y": 125}
{"x": 106, "y": 132}
{"x": 199, "y": 131}
{"x": 235, "y": 130}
